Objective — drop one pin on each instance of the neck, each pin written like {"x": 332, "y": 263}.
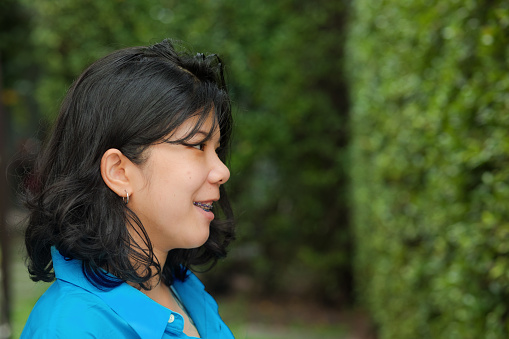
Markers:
{"x": 156, "y": 281}
{"x": 161, "y": 256}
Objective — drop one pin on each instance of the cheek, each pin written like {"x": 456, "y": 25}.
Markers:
{"x": 194, "y": 176}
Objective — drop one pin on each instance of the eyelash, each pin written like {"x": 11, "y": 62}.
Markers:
{"x": 201, "y": 146}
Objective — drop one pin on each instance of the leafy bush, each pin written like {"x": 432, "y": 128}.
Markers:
{"x": 430, "y": 170}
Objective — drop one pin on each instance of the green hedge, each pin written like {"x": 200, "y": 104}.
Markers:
{"x": 430, "y": 173}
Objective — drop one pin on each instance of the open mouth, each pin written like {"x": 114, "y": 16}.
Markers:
{"x": 204, "y": 206}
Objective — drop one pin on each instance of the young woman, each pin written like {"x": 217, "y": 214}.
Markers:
{"x": 128, "y": 196}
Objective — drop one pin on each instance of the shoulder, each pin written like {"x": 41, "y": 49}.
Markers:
{"x": 66, "y": 311}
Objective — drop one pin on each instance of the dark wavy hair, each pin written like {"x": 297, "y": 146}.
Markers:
{"x": 128, "y": 100}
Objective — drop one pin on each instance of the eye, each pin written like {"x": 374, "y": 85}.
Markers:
{"x": 200, "y": 147}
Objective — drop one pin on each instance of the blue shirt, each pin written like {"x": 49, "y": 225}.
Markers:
{"x": 74, "y": 308}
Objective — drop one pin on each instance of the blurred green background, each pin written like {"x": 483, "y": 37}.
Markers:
{"x": 369, "y": 166}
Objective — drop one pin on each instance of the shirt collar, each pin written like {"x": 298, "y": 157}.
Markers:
{"x": 143, "y": 314}
{"x": 200, "y": 305}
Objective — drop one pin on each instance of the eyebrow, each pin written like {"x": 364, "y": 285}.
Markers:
{"x": 205, "y": 134}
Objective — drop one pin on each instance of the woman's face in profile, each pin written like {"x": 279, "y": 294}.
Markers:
{"x": 176, "y": 187}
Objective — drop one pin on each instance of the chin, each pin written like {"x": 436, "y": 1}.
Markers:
{"x": 203, "y": 241}
{"x": 198, "y": 241}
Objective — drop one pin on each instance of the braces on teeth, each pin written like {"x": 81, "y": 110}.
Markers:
{"x": 203, "y": 206}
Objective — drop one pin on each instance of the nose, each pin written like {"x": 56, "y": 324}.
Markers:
{"x": 219, "y": 173}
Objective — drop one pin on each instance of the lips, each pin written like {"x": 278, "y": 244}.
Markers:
{"x": 207, "y": 207}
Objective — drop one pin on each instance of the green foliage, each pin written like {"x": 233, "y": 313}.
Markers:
{"x": 284, "y": 65}
{"x": 17, "y": 72}
{"x": 288, "y": 165}
{"x": 429, "y": 166}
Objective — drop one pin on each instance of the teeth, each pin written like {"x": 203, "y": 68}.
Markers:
{"x": 203, "y": 206}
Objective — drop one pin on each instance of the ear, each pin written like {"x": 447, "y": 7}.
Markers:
{"x": 117, "y": 172}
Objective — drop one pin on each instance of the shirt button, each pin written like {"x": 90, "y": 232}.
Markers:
{"x": 172, "y": 318}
